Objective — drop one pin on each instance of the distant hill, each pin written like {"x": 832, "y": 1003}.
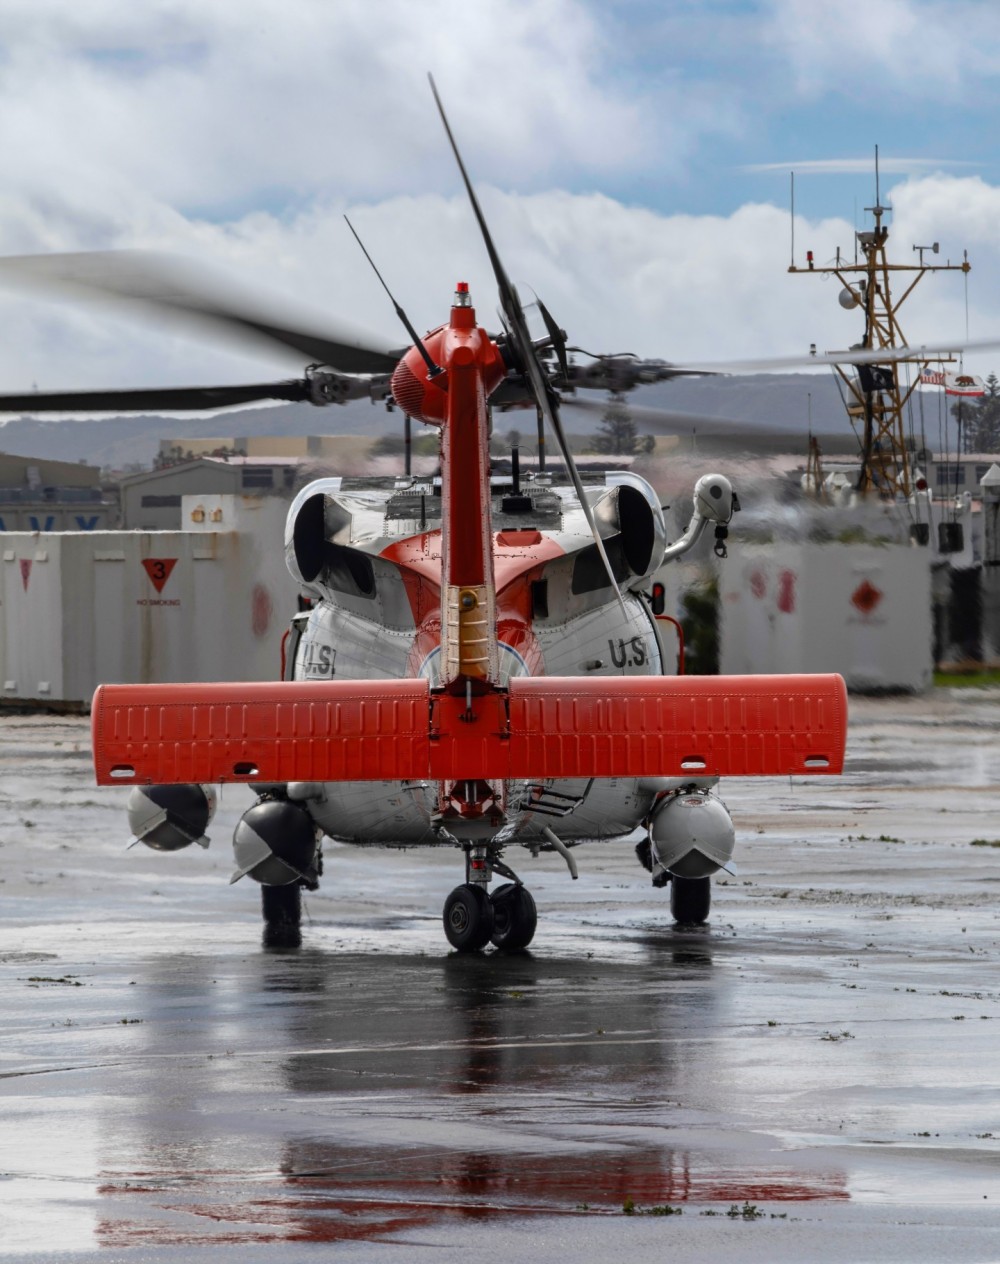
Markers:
{"x": 116, "y": 442}
{"x": 778, "y": 403}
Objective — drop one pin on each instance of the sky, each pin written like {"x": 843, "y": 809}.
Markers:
{"x": 632, "y": 158}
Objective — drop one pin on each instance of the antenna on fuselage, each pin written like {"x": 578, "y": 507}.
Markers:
{"x": 432, "y": 369}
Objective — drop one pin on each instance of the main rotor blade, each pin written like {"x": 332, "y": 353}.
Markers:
{"x": 165, "y": 399}
{"x": 858, "y": 355}
{"x": 545, "y": 396}
{"x": 720, "y": 436}
{"x": 666, "y": 421}
{"x": 186, "y": 292}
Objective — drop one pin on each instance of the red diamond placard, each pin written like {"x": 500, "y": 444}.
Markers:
{"x": 866, "y": 597}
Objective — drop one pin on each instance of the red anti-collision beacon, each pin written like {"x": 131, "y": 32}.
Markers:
{"x": 423, "y": 397}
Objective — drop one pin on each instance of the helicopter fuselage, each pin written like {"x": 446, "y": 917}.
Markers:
{"x": 555, "y": 616}
{"x": 480, "y": 669}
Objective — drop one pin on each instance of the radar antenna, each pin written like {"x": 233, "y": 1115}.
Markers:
{"x": 875, "y": 400}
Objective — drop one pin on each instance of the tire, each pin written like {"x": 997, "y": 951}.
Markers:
{"x": 514, "y": 917}
{"x": 282, "y": 909}
{"x": 690, "y": 900}
{"x": 468, "y": 918}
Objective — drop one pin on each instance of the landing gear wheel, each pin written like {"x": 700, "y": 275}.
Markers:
{"x": 690, "y": 900}
{"x": 514, "y": 917}
{"x": 282, "y": 909}
{"x": 468, "y": 918}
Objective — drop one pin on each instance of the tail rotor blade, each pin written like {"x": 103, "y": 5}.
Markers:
{"x": 508, "y": 295}
{"x": 545, "y": 396}
{"x": 548, "y": 403}
{"x": 558, "y": 338}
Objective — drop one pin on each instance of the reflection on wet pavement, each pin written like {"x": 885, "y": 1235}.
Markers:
{"x": 829, "y": 1041}
{"x": 390, "y": 1093}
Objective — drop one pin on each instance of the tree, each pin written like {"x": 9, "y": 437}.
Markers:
{"x": 700, "y": 621}
{"x": 395, "y": 445}
{"x": 500, "y": 445}
{"x": 388, "y": 445}
{"x": 617, "y": 434}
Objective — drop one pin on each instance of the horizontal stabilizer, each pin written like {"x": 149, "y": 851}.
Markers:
{"x": 731, "y": 726}
{"x": 540, "y": 728}
{"x": 344, "y": 730}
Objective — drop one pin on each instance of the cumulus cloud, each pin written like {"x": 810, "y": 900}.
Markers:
{"x": 935, "y": 49}
{"x": 205, "y": 106}
{"x": 859, "y": 166}
{"x": 618, "y": 278}
{"x": 239, "y": 134}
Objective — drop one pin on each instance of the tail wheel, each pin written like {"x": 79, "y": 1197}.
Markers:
{"x": 690, "y": 899}
{"x": 514, "y": 917}
{"x": 282, "y": 909}
{"x": 468, "y": 918}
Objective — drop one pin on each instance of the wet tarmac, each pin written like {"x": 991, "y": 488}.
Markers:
{"x": 816, "y": 1075}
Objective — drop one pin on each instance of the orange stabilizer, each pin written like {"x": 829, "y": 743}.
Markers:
{"x": 344, "y": 730}
{"x": 666, "y": 726}
{"x": 542, "y": 727}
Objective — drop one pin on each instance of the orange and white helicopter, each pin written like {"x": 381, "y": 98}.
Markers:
{"x": 480, "y": 668}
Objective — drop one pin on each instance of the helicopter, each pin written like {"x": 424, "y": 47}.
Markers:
{"x": 479, "y": 666}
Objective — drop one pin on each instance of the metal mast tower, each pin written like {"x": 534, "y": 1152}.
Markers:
{"x": 875, "y": 400}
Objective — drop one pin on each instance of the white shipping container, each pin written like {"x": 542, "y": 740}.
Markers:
{"x": 861, "y": 610}
{"x": 78, "y": 609}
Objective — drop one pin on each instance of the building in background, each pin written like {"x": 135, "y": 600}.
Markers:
{"x": 151, "y": 501}
{"x": 41, "y": 495}
{"x": 304, "y": 447}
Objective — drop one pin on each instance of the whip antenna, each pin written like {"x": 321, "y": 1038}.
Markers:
{"x": 792, "y": 174}
{"x": 432, "y": 369}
